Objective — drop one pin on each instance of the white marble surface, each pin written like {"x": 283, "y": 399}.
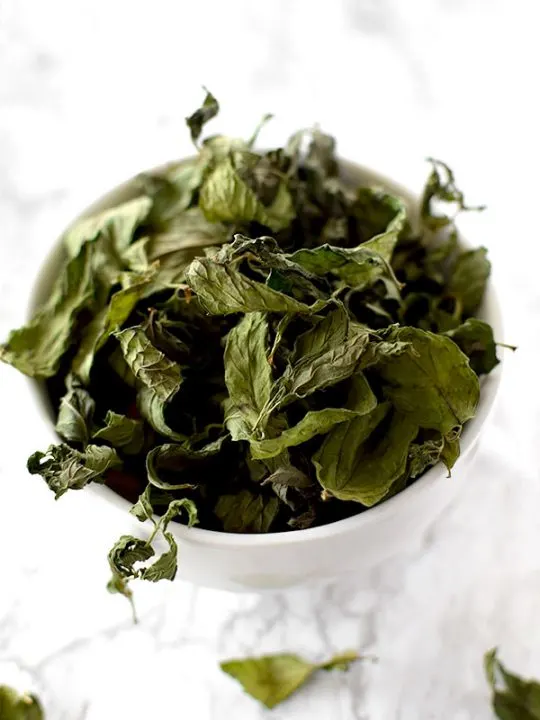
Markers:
{"x": 94, "y": 90}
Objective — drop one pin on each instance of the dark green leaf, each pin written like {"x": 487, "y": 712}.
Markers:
{"x": 64, "y": 468}
{"x": 513, "y": 698}
{"x": 246, "y": 512}
{"x": 271, "y": 679}
{"x": 469, "y": 278}
{"x": 76, "y": 413}
{"x": 177, "y": 460}
{"x": 200, "y": 117}
{"x": 475, "y": 338}
{"x": 126, "y": 553}
{"x": 152, "y": 407}
{"x": 121, "y": 432}
{"x": 441, "y": 188}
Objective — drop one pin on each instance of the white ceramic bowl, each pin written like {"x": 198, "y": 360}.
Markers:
{"x": 344, "y": 548}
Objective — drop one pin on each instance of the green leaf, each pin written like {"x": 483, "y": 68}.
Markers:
{"x": 432, "y": 382}
{"x": 271, "y": 679}
{"x": 469, "y": 278}
{"x": 208, "y": 110}
{"x": 377, "y": 212}
{"x": 423, "y": 455}
{"x": 171, "y": 190}
{"x": 37, "y": 348}
{"x": 226, "y": 197}
{"x": 246, "y": 512}
{"x": 385, "y": 243}
{"x": 441, "y": 188}
{"x": 152, "y": 408}
{"x": 223, "y": 290}
{"x": 318, "y": 422}
{"x": 166, "y": 566}
{"x": 117, "y": 224}
{"x": 319, "y": 362}
{"x": 123, "y": 433}
{"x": 76, "y": 413}
{"x": 475, "y": 338}
{"x": 248, "y": 374}
{"x": 513, "y": 698}
{"x": 150, "y": 366}
{"x": 128, "y": 556}
{"x": 358, "y": 268}
{"x": 126, "y": 552}
{"x": 19, "y": 706}
{"x": 360, "y": 460}
{"x": 178, "y": 459}
{"x": 64, "y": 468}
{"x": 107, "y": 321}
{"x": 179, "y": 241}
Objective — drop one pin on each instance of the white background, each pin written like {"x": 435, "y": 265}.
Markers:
{"x": 95, "y": 90}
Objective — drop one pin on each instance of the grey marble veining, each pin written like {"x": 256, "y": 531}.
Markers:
{"x": 93, "y": 91}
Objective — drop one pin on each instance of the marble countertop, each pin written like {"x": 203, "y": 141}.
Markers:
{"x": 93, "y": 91}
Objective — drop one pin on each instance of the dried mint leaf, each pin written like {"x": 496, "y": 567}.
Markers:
{"x": 271, "y": 679}
{"x": 254, "y": 338}
{"x": 513, "y": 697}
{"x": 63, "y": 468}
{"x": 19, "y": 706}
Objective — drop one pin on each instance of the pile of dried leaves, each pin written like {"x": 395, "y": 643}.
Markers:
{"x": 251, "y": 344}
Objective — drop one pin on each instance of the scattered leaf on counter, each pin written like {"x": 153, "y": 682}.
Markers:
{"x": 513, "y": 697}
{"x": 271, "y": 679}
{"x": 17, "y": 706}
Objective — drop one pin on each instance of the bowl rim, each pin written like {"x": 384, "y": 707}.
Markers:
{"x": 490, "y": 385}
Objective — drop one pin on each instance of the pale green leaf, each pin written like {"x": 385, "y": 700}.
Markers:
{"x": 37, "y": 348}
{"x": 107, "y": 321}
{"x": 271, "y": 679}
{"x": 19, "y": 706}
{"x": 226, "y": 197}
{"x": 118, "y": 224}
